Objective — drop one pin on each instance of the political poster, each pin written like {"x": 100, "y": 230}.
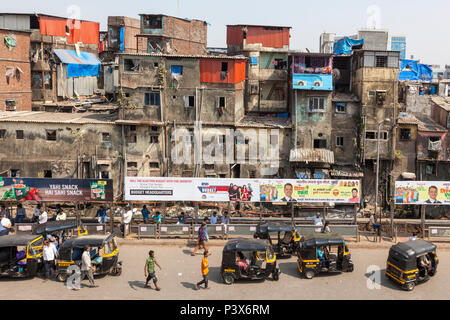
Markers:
{"x": 250, "y": 190}
{"x": 48, "y": 189}
{"x": 422, "y": 192}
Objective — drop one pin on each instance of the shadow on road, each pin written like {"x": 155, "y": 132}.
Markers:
{"x": 188, "y": 285}
{"x": 380, "y": 277}
{"x": 289, "y": 268}
{"x": 136, "y": 284}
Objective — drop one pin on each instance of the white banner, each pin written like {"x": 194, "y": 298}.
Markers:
{"x": 252, "y": 190}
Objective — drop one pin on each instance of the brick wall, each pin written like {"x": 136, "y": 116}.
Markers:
{"x": 19, "y": 86}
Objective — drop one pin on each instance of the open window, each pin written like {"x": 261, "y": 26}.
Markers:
{"x": 340, "y": 142}
{"x": 19, "y": 134}
{"x": 131, "y": 65}
{"x": 152, "y": 22}
{"x": 189, "y": 101}
{"x": 106, "y": 137}
{"x": 51, "y": 135}
{"x": 10, "y": 105}
{"x": 130, "y": 135}
{"x": 405, "y": 134}
{"x": 320, "y": 143}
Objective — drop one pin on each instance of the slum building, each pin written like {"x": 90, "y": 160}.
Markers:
{"x": 267, "y": 50}
{"x": 63, "y": 145}
{"x": 375, "y": 82}
{"x": 170, "y": 35}
{"x": 15, "y": 85}
{"x": 175, "y": 92}
{"x": 311, "y": 99}
{"x": 78, "y": 37}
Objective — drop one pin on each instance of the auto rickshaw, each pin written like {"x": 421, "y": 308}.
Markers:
{"x": 245, "y": 259}
{"x": 335, "y": 255}
{"x": 412, "y": 262}
{"x": 20, "y": 255}
{"x": 104, "y": 255}
{"x": 285, "y": 246}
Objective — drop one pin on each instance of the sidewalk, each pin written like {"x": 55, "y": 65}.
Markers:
{"x": 363, "y": 244}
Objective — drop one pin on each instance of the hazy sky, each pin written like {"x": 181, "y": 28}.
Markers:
{"x": 424, "y": 23}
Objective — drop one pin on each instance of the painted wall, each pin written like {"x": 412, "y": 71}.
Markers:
{"x": 319, "y": 82}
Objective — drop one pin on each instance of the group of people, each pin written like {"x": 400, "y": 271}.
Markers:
{"x": 237, "y": 193}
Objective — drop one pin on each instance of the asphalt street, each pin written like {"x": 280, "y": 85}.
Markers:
{"x": 180, "y": 271}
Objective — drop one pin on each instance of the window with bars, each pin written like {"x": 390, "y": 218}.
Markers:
{"x": 316, "y": 104}
{"x": 339, "y": 141}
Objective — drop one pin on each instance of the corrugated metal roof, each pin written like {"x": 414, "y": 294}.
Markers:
{"x": 442, "y": 102}
{"x": 311, "y": 155}
{"x": 55, "y": 117}
{"x": 71, "y": 57}
{"x": 240, "y": 57}
{"x": 263, "y": 122}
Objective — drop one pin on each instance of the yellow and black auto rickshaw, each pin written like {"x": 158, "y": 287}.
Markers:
{"x": 412, "y": 262}
{"x": 323, "y": 253}
{"x": 286, "y": 245}
{"x": 21, "y": 255}
{"x": 103, "y": 250}
{"x": 248, "y": 259}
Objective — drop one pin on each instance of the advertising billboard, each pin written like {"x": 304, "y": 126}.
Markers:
{"x": 422, "y": 192}
{"x": 251, "y": 190}
{"x": 42, "y": 189}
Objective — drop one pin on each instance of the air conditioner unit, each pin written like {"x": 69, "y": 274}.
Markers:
{"x": 318, "y": 84}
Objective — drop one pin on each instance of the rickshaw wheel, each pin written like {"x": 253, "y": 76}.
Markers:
{"x": 275, "y": 276}
{"x": 117, "y": 272}
{"x": 228, "y": 279}
{"x": 61, "y": 277}
{"x": 309, "y": 274}
{"x": 409, "y": 286}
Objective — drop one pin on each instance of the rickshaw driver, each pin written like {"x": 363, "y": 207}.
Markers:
{"x": 424, "y": 264}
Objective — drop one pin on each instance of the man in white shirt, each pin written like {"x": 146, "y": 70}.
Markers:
{"x": 86, "y": 268}
{"x": 5, "y": 225}
{"x": 42, "y": 216}
{"x": 126, "y": 220}
{"x": 60, "y": 215}
{"x": 49, "y": 255}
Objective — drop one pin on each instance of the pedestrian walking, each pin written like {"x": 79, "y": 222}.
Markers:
{"x": 87, "y": 270}
{"x": 205, "y": 271}
{"x": 49, "y": 254}
{"x": 20, "y": 214}
{"x": 127, "y": 216}
{"x": 149, "y": 270}
{"x": 201, "y": 239}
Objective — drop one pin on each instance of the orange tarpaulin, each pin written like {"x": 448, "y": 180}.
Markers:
{"x": 79, "y": 31}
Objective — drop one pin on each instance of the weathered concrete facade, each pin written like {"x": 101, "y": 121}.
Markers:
{"x": 63, "y": 146}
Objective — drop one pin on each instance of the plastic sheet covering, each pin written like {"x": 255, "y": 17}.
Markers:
{"x": 79, "y": 66}
{"x": 344, "y": 46}
{"x": 122, "y": 39}
{"x": 78, "y": 31}
{"x": 414, "y": 71}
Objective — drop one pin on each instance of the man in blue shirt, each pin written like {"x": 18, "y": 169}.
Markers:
{"x": 102, "y": 214}
{"x": 214, "y": 218}
{"x": 145, "y": 213}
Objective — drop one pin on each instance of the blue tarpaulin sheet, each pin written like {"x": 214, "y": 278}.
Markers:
{"x": 414, "y": 71}
{"x": 122, "y": 44}
{"x": 87, "y": 64}
{"x": 176, "y": 69}
{"x": 344, "y": 46}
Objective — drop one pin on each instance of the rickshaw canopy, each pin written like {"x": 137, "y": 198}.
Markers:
{"x": 246, "y": 245}
{"x": 274, "y": 227}
{"x": 17, "y": 240}
{"x": 319, "y": 239}
{"x": 90, "y": 241}
{"x": 412, "y": 248}
{"x": 54, "y": 226}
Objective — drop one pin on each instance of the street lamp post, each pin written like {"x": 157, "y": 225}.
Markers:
{"x": 378, "y": 167}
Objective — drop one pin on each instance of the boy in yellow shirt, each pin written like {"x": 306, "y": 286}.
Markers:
{"x": 205, "y": 271}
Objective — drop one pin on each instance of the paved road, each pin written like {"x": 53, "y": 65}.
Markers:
{"x": 180, "y": 271}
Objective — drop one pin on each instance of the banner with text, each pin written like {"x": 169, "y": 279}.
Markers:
{"x": 253, "y": 190}
{"x": 422, "y": 192}
{"x": 41, "y": 189}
